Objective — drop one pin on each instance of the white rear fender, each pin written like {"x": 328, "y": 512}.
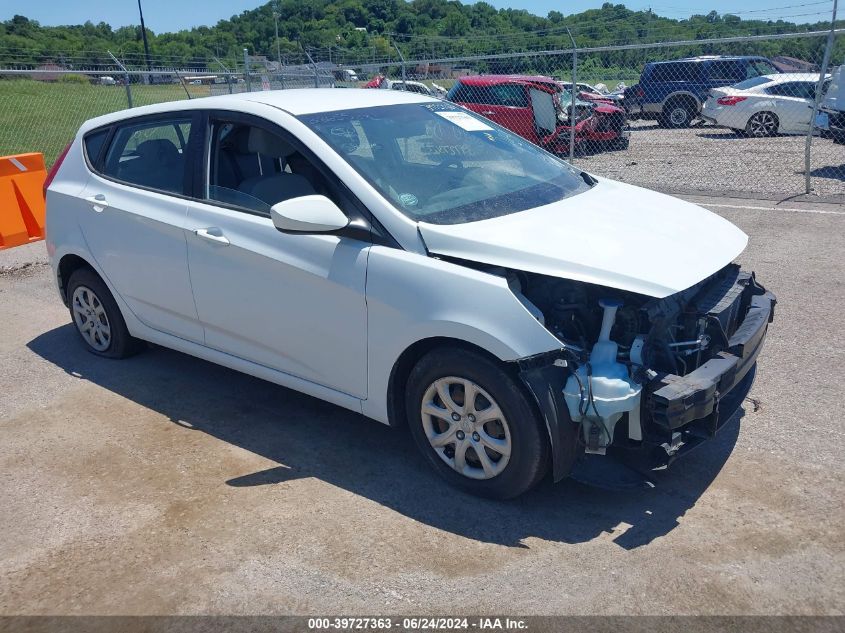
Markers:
{"x": 411, "y": 297}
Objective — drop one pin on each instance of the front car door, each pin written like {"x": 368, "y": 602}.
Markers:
{"x": 291, "y": 302}
{"x": 135, "y": 214}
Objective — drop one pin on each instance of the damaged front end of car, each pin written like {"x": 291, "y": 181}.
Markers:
{"x": 640, "y": 380}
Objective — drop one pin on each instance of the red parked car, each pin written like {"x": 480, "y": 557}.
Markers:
{"x": 536, "y": 108}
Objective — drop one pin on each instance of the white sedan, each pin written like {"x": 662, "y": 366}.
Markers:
{"x": 764, "y": 105}
{"x": 409, "y": 260}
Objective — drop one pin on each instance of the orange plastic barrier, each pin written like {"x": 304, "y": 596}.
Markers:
{"x": 21, "y": 199}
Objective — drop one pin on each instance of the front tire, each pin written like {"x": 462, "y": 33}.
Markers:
{"x": 475, "y": 425}
{"x": 97, "y": 318}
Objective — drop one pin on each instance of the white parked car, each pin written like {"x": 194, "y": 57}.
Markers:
{"x": 764, "y": 105}
{"x": 830, "y": 120}
{"x": 411, "y": 261}
{"x": 382, "y": 82}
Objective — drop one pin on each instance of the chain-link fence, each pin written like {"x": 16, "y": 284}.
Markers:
{"x": 757, "y": 115}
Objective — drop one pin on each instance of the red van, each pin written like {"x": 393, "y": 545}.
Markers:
{"x": 537, "y": 108}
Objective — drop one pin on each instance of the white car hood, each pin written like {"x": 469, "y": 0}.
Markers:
{"x": 614, "y": 235}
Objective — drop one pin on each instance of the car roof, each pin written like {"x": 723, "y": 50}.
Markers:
{"x": 296, "y": 101}
{"x": 493, "y": 80}
{"x": 786, "y": 77}
{"x": 710, "y": 58}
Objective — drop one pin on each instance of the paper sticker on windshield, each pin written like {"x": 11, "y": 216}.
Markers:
{"x": 465, "y": 121}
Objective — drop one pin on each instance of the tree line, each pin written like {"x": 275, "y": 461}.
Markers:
{"x": 357, "y": 31}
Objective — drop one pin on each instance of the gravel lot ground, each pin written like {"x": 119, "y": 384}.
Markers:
{"x": 164, "y": 484}
{"x": 715, "y": 160}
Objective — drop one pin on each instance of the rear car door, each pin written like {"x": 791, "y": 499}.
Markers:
{"x": 134, "y": 218}
{"x": 291, "y": 302}
{"x": 793, "y": 103}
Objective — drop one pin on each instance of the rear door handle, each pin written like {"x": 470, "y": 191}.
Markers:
{"x": 488, "y": 113}
{"x": 213, "y": 234}
{"x": 98, "y": 202}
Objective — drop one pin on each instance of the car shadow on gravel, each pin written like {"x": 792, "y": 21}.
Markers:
{"x": 309, "y": 438}
{"x": 829, "y": 171}
{"x": 724, "y": 136}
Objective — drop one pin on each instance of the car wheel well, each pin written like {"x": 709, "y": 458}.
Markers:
{"x": 67, "y": 266}
{"x": 408, "y": 359}
{"x": 683, "y": 99}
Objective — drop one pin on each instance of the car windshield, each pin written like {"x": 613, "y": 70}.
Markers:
{"x": 439, "y": 163}
{"x": 751, "y": 83}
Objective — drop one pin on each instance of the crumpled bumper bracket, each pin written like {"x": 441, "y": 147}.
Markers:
{"x": 675, "y": 401}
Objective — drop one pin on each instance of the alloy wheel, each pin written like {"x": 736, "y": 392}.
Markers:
{"x": 762, "y": 124}
{"x": 466, "y": 428}
{"x": 91, "y": 319}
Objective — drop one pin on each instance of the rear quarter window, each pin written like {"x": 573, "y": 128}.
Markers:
{"x": 94, "y": 142}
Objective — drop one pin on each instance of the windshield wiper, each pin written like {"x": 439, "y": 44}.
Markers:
{"x": 588, "y": 179}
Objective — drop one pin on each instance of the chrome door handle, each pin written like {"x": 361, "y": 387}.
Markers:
{"x": 98, "y": 202}
{"x": 488, "y": 113}
{"x": 217, "y": 236}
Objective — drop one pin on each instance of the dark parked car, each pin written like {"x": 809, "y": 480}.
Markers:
{"x": 673, "y": 92}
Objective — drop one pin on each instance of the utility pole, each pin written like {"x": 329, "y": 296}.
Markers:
{"x": 144, "y": 38}
{"x": 574, "y": 96}
{"x": 402, "y": 59}
{"x": 278, "y": 49}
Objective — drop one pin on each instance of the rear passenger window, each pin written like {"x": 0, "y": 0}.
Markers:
{"x": 760, "y": 67}
{"x": 675, "y": 71}
{"x": 94, "y": 143}
{"x": 462, "y": 93}
{"x": 730, "y": 71}
{"x": 800, "y": 89}
{"x": 150, "y": 155}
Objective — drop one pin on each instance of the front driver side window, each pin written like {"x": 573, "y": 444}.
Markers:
{"x": 253, "y": 168}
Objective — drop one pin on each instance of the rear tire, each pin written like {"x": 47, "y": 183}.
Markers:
{"x": 762, "y": 124}
{"x": 677, "y": 114}
{"x": 619, "y": 143}
{"x": 496, "y": 446}
{"x": 97, "y": 318}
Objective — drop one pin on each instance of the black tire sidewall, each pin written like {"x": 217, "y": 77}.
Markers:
{"x": 667, "y": 116}
{"x": 529, "y": 440}
{"x": 122, "y": 343}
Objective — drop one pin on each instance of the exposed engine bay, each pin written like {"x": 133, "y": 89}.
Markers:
{"x": 648, "y": 363}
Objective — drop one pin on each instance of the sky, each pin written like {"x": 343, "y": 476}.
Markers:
{"x": 174, "y": 15}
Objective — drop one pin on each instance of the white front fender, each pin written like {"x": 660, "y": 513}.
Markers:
{"x": 411, "y": 297}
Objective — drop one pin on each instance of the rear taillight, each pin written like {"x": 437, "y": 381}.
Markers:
{"x": 729, "y": 101}
{"x": 640, "y": 92}
{"x": 55, "y": 168}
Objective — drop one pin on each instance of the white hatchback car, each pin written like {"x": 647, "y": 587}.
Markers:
{"x": 406, "y": 259}
{"x": 765, "y": 105}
